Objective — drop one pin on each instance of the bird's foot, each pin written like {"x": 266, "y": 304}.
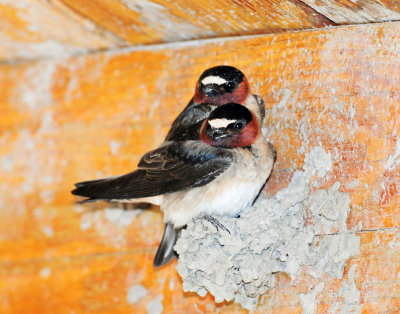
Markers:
{"x": 215, "y": 223}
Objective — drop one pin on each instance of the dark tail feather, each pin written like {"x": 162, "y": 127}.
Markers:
{"x": 83, "y": 183}
{"x": 166, "y": 251}
{"x": 129, "y": 186}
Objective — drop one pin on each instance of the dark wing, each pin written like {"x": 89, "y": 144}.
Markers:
{"x": 173, "y": 167}
{"x": 83, "y": 183}
{"x": 187, "y": 125}
{"x": 110, "y": 188}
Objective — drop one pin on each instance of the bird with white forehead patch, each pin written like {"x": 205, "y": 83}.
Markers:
{"x": 222, "y": 84}
{"x": 215, "y": 87}
{"x": 221, "y": 173}
{"x": 230, "y": 126}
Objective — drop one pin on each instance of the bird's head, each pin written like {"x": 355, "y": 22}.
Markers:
{"x": 229, "y": 126}
{"x": 221, "y": 85}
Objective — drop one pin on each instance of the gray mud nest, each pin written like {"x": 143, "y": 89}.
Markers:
{"x": 270, "y": 237}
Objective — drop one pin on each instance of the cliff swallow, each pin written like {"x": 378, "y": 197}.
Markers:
{"x": 216, "y": 86}
{"x": 220, "y": 173}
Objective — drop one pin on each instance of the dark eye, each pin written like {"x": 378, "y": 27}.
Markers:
{"x": 230, "y": 85}
{"x": 238, "y": 126}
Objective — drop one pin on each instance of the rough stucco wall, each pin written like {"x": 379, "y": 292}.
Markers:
{"x": 91, "y": 116}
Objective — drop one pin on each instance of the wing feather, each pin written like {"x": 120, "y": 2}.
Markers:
{"x": 172, "y": 167}
{"x": 188, "y": 123}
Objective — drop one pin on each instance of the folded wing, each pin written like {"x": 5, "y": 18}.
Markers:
{"x": 173, "y": 167}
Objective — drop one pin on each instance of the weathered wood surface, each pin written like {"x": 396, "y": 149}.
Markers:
{"x": 356, "y": 12}
{"x": 100, "y": 283}
{"x": 35, "y": 29}
{"x": 32, "y": 29}
{"x": 92, "y": 116}
{"x": 146, "y": 22}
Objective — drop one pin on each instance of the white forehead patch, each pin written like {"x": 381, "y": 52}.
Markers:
{"x": 220, "y": 123}
{"x": 213, "y": 80}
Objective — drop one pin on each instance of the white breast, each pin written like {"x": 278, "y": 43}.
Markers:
{"x": 230, "y": 193}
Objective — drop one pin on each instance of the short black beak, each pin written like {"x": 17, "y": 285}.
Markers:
{"x": 216, "y": 134}
{"x": 211, "y": 90}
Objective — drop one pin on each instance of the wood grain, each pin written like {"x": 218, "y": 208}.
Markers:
{"x": 156, "y": 21}
{"x": 32, "y": 29}
{"x": 37, "y": 29}
{"x": 356, "y": 12}
{"x": 92, "y": 116}
{"x": 101, "y": 282}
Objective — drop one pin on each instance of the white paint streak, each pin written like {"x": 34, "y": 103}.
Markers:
{"x": 47, "y": 230}
{"x": 394, "y": 160}
{"x": 37, "y": 40}
{"x": 7, "y": 163}
{"x": 164, "y": 22}
{"x": 155, "y": 306}
{"x": 171, "y": 284}
{"x": 281, "y": 105}
{"x": 86, "y": 222}
{"x": 38, "y": 213}
{"x": 308, "y": 301}
{"x": 135, "y": 293}
{"x": 353, "y": 184}
{"x": 47, "y": 123}
{"x": 317, "y": 161}
{"x": 114, "y": 147}
{"x": 350, "y": 294}
{"x": 47, "y": 195}
{"x": 120, "y": 216}
{"x": 366, "y": 11}
{"x": 20, "y": 4}
{"x": 49, "y": 48}
{"x": 35, "y": 89}
{"x": 45, "y": 272}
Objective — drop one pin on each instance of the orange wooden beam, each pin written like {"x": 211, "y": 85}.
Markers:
{"x": 92, "y": 116}
{"x": 150, "y": 22}
{"x": 34, "y": 29}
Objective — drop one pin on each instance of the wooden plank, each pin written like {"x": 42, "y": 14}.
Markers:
{"x": 72, "y": 231}
{"x": 91, "y": 116}
{"x": 101, "y": 283}
{"x": 56, "y": 134}
{"x": 98, "y": 283}
{"x": 377, "y": 287}
{"x": 156, "y": 21}
{"x": 356, "y": 12}
{"x": 38, "y": 29}
{"x": 32, "y": 29}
